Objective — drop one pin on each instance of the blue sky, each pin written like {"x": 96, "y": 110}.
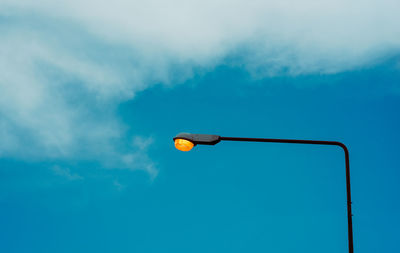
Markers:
{"x": 90, "y": 101}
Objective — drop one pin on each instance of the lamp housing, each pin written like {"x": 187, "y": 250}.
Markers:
{"x": 201, "y": 139}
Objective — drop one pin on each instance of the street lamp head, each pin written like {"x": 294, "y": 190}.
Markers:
{"x": 186, "y": 141}
{"x": 183, "y": 145}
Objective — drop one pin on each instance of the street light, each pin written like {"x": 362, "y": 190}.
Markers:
{"x": 186, "y": 141}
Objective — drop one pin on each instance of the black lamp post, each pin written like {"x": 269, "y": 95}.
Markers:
{"x": 186, "y": 141}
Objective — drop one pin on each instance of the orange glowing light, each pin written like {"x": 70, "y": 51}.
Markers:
{"x": 183, "y": 145}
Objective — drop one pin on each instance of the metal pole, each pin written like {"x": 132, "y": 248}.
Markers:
{"x": 332, "y": 143}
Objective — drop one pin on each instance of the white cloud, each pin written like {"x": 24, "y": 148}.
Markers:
{"x": 66, "y": 65}
{"x": 302, "y": 36}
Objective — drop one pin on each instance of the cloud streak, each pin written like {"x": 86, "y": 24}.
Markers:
{"x": 66, "y": 65}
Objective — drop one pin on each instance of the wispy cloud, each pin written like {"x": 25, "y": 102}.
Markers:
{"x": 118, "y": 185}
{"x": 66, "y": 173}
{"x": 66, "y": 65}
